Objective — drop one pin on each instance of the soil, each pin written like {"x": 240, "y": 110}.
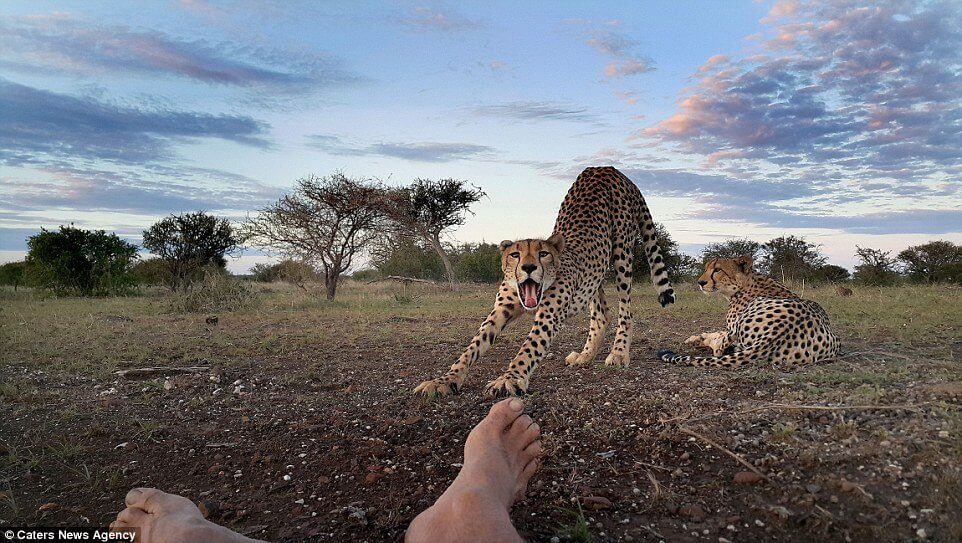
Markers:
{"x": 343, "y": 451}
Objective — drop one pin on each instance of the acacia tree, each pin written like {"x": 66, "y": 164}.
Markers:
{"x": 791, "y": 258}
{"x": 731, "y": 248}
{"x": 428, "y": 209}
{"x": 875, "y": 267}
{"x": 187, "y": 243}
{"x": 931, "y": 261}
{"x": 327, "y": 221}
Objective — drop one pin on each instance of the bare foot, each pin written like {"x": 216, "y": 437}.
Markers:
{"x": 168, "y": 518}
{"x": 500, "y": 456}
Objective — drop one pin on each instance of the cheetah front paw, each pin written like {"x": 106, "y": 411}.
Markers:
{"x": 577, "y": 358}
{"x": 618, "y": 359}
{"x": 506, "y": 385}
{"x": 437, "y": 387}
{"x": 697, "y": 339}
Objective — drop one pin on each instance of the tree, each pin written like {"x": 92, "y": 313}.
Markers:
{"x": 327, "y": 221}
{"x": 876, "y": 267}
{"x": 791, "y": 259}
{"x": 13, "y": 274}
{"x": 932, "y": 261}
{"x": 190, "y": 242}
{"x": 288, "y": 270}
{"x": 680, "y": 266}
{"x": 400, "y": 253}
{"x": 81, "y": 262}
{"x": 731, "y": 248}
{"x": 429, "y": 208}
{"x": 479, "y": 263}
{"x": 830, "y": 273}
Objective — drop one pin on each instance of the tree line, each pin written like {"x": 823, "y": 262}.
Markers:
{"x": 328, "y": 224}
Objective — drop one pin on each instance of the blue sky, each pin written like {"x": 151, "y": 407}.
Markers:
{"x": 838, "y": 121}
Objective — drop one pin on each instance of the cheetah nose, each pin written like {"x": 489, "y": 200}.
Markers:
{"x": 702, "y": 282}
{"x": 528, "y": 268}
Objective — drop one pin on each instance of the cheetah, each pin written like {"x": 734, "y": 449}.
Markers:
{"x": 766, "y": 322}
{"x": 600, "y": 220}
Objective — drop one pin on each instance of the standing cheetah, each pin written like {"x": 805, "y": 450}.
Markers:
{"x": 599, "y": 222}
{"x": 766, "y": 321}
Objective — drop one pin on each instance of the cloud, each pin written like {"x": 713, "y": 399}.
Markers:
{"x": 157, "y": 190}
{"x": 37, "y": 126}
{"x": 59, "y": 43}
{"x": 431, "y": 19}
{"x": 414, "y": 151}
{"x": 535, "y": 111}
{"x": 870, "y": 89}
{"x": 617, "y": 46}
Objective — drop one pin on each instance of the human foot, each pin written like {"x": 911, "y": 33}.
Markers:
{"x": 500, "y": 456}
{"x": 168, "y": 518}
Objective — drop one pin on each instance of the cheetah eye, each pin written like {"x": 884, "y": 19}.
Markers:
{"x": 515, "y": 254}
{"x": 543, "y": 254}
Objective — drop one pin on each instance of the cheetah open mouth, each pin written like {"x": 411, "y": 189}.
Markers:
{"x": 529, "y": 291}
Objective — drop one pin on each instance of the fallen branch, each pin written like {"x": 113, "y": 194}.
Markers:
{"x": 713, "y": 443}
{"x": 403, "y": 279}
{"x": 171, "y": 370}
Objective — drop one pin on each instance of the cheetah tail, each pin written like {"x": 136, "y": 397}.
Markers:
{"x": 659, "y": 272}
{"x": 728, "y": 361}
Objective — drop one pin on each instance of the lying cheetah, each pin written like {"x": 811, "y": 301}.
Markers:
{"x": 600, "y": 219}
{"x": 766, "y": 321}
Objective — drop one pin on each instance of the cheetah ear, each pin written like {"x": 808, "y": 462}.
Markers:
{"x": 558, "y": 241}
{"x": 505, "y": 244}
{"x": 744, "y": 263}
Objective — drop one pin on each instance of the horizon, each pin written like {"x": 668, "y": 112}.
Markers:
{"x": 837, "y": 122}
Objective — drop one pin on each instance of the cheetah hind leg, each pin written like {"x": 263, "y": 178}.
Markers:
{"x": 600, "y": 315}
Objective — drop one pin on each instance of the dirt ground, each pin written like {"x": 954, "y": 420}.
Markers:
{"x": 300, "y": 426}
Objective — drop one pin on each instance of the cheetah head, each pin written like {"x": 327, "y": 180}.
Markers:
{"x": 725, "y": 275}
{"x": 531, "y": 265}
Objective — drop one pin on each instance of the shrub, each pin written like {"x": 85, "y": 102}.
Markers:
{"x": 153, "y": 271}
{"x": 80, "y": 262}
{"x": 217, "y": 291}
{"x": 479, "y": 263}
{"x": 13, "y": 274}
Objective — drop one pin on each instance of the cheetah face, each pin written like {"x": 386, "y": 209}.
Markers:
{"x": 531, "y": 265}
{"x": 725, "y": 275}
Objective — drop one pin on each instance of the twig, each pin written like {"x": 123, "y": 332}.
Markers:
{"x": 879, "y": 353}
{"x": 713, "y": 443}
{"x": 147, "y": 372}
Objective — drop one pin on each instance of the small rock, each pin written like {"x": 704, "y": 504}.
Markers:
{"x": 286, "y": 477}
{"x": 847, "y": 486}
{"x": 746, "y": 478}
{"x": 351, "y": 389}
{"x": 372, "y": 477}
{"x": 323, "y": 480}
{"x": 812, "y": 488}
{"x": 596, "y": 503}
{"x": 693, "y": 512}
{"x": 412, "y": 420}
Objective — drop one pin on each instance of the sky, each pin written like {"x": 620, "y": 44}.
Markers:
{"x": 837, "y": 121}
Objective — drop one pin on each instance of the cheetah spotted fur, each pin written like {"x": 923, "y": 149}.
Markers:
{"x": 767, "y": 322}
{"x": 600, "y": 220}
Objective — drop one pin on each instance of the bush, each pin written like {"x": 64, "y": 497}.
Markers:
{"x": 291, "y": 271}
{"x": 13, "y": 274}
{"x": 479, "y": 263}
{"x": 190, "y": 242}
{"x": 153, "y": 272}
{"x": 80, "y": 262}
{"x": 217, "y": 291}
{"x": 409, "y": 259}
{"x": 366, "y": 275}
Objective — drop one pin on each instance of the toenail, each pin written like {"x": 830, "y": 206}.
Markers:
{"x": 515, "y": 404}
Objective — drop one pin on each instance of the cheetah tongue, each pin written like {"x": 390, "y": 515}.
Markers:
{"x": 529, "y": 291}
